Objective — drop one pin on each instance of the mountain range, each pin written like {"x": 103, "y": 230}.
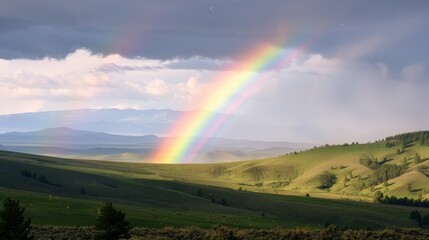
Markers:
{"x": 67, "y": 142}
{"x": 120, "y": 121}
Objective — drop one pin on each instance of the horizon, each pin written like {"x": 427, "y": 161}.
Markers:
{"x": 318, "y": 76}
{"x": 163, "y": 136}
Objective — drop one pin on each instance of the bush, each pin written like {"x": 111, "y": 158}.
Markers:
{"x": 111, "y": 223}
{"x": 327, "y": 180}
{"x": 12, "y": 222}
{"x": 26, "y": 173}
{"x": 416, "y": 158}
{"x": 43, "y": 179}
{"x": 220, "y": 232}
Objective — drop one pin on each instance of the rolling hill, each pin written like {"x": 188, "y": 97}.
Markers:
{"x": 359, "y": 170}
{"x": 260, "y": 193}
{"x": 154, "y": 200}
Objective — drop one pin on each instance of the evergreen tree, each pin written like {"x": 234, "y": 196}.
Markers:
{"x": 12, "y": 222}
{"x": 111, "y": 223}
{"x": 416, "y": 216}
{"x": 378, "y": 196}
{"x": 327, "y": 180}
{"x": 417, "y": 158}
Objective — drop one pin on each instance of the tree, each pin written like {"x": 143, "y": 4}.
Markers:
{"x": 43, "y": 179}
{"x": 378, "y": 196}
{"x": 416, "y": 216}
{"x": 26, "y": 173}
{"x": 111, "y": 223}
{"x": 12, "y": 222}
{"x": 327, "y": 180}
{"x": 389, "y": 144}
{"x": 417, "y": 158}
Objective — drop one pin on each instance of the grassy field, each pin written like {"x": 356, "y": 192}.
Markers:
{"x": 55, "y": 210}
{"x": 293, "y": 174}
{"x": 241, "y": 194}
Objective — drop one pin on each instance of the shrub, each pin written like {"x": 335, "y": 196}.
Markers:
{"x": 327, "y": 180}
{"x": 417, "y": 158}
{"x": 43, "y": 179}
{"x": 26, "y": 173}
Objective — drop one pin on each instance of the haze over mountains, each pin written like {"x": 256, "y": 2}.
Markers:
{"x": 78, "y": 144}
{"x": 126, "y": 121}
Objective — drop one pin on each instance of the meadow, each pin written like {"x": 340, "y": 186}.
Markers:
{"x": 277, "y": 192}
{"x": 284, "y": 191}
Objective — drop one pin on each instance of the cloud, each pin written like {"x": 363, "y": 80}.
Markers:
{"x": 156, "y": 87}
{"x": 199, "y": 63}
{"x": 187, "y": 90}
{"x": 317, "y": 98}
{"x": 321, "y": 99}
{"x": 360, "y": 49}
{"x": 82, "y": 76}
{"x": 317, "y": 64}
{"x": 210, "y": 29}
{"x": 414, "y": 72}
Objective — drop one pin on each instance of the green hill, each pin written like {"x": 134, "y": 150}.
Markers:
{"x": 394, "y": 166}
{"x": 244, "y": 194}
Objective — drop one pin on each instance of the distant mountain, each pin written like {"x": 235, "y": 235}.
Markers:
{"x": 68, "y": 137}
{"x": 66, "y": 142}
{"x": 117, "y": 121}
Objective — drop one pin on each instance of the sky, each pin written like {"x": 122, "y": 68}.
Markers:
{"x": 359, "y": 71}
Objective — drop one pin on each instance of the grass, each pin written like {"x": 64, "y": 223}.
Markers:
{"x": 272, "y": 190}
{"x": 46, "y": 209}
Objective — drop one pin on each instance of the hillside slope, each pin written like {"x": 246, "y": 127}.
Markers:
{"x": 395, "y": 166}
{"x": 67, "y": 192}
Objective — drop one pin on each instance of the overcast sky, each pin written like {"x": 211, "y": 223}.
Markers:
{"x": 363, "y": 75}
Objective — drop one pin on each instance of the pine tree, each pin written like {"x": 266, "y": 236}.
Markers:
{"x": 417, "y": 158}
{"x": 111, "y": 223}
{"x": 12, "y": 222}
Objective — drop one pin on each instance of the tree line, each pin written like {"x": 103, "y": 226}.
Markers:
{"x": 406, "y": 139}
{"x": 29, "y": 174}
{"x": 379, "y": 197}
{"x": 382, "y": 171}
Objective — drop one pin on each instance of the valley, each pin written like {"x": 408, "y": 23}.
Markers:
{"x": 259, "y": 193}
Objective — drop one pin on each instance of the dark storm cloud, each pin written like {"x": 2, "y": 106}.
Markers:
{"x": 216, "y": 29}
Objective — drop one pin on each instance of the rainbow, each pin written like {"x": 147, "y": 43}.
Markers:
{"x": 229, "y": 91}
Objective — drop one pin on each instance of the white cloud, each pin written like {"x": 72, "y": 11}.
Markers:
{"x": 188, "y": 89}
{"x": 91, "y": 78}
{"x": 316, "y": 63}
{"x": 315, "y": 99}
{"x": 156, "y": 87}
